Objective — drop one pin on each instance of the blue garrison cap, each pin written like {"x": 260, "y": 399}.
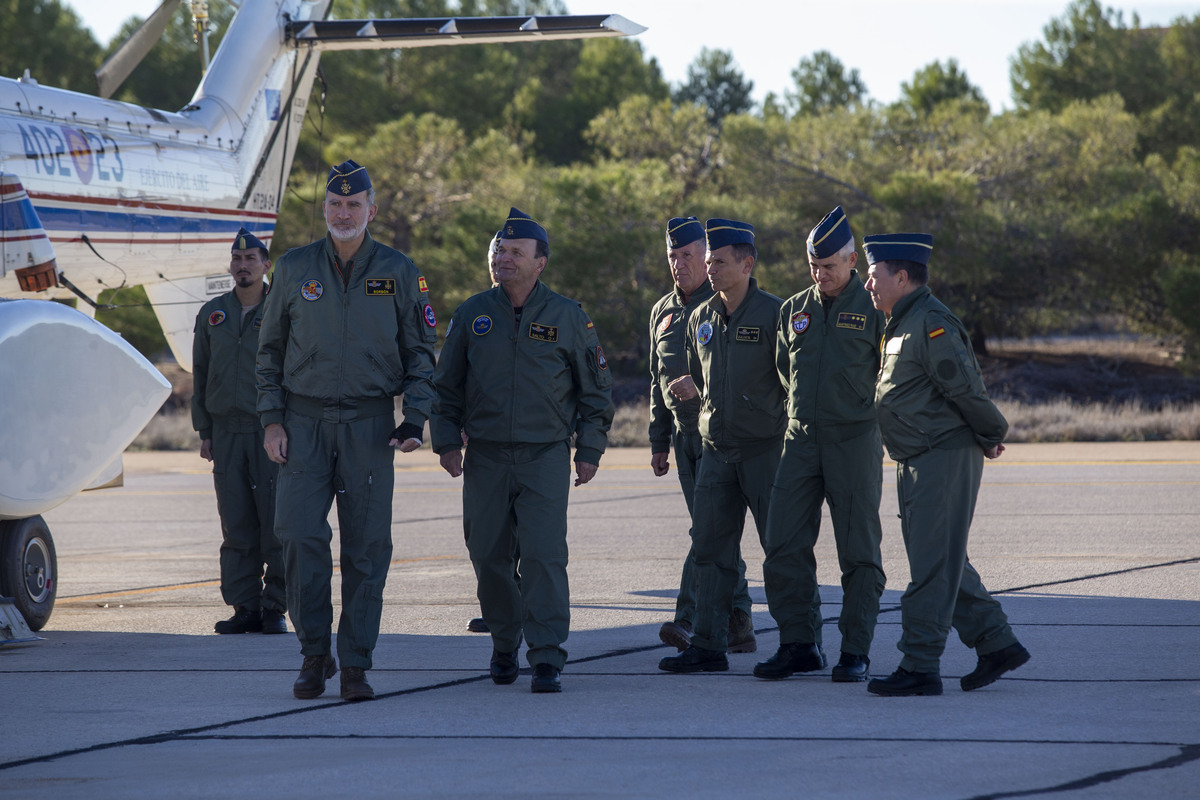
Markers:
{"x": 246, "y": 241}
{"x": 348, "y": 178}
{"x": 898, "y": 247}
{"x": 683, "y": 231}
{"x": 520, "y": 225}
{"x": 722, "y": 232}
{"x": 830, "y": 235}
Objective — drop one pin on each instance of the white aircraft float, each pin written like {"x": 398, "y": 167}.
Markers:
{"x": 101, "y": 194}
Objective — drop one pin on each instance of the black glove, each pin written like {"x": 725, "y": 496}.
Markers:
{"x": 408, "y": 431}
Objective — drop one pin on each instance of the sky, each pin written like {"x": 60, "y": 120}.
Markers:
{"x": 887, "y": 41}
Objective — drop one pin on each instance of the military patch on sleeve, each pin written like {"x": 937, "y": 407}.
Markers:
{"x": 590, "y": 325}
{"x": 449, "y": 327}
{"x": 430, "y": 317}
{"x": 422, "y": 284}
{"x": 381, "y": 286}
{"x": 543, "y": 333}
{"x": 666, "y": 323}
{"x": 601, "y": 361}
{"x": 936, "y": 332}
{"x": 747, "y": 334}
{"x": 855, "y": 322}
{"x": 216, "y": 318}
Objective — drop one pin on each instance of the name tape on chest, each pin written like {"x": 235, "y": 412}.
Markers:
{"x": 543, "y": 333}
{"x": 855, "y": 322}
{"x": 745, "y": 333}
{"x": 381, "y": 287}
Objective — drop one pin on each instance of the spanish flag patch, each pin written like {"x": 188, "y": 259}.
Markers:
{"x": 422, "y": 285}
{"x": 936, "y": 332}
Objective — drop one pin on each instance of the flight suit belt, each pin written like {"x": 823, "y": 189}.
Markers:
{"x": 831, "y": 433}
{"x": 237, "y": 423}
{"x": 347, "y": 410}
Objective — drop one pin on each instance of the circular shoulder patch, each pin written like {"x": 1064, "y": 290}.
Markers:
{"x": 216, "y": 318}
{"x": 481, "y": 325}
{"x": 800, "y": 321}
{"x": 430, "y": 317}
{"x": 704, "y": 332}
{"x": 311, "y": 290}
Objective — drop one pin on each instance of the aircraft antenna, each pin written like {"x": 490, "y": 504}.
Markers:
{"x": 200, "y": 30}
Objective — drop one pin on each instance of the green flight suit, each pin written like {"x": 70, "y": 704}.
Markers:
{"x": 520, "y": 387}
{"x": 936, "y": 420}
{"x": 742, "y": 420}
{"x": 828, "y": 356}
{"x": 223, "y": 410}
{"x": 677, "y": 422}
{"x": 332, "y": 357}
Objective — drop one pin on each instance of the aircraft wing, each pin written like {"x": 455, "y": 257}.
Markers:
{"x": 378, "y": 34}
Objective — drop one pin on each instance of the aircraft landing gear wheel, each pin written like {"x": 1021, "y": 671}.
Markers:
{"x": 28, "y": 568}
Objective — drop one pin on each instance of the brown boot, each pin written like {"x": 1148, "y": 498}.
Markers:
{"x": 741, "y": 633}
{"x": 677, "y": 633}
{"x": 313, "y": 674}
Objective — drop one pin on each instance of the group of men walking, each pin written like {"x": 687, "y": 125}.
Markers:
{"x": 771, "y": 406}
{"x": 778, "y": 406}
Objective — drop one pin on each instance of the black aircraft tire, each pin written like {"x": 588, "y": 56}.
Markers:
{"x": 29, "y": 568}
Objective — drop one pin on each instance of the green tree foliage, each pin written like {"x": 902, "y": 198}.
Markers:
{"x": 643, "y": 129}
{"x": 29, "y": 25}
{"x": 1089, "y": 52}
{"x": 715, "y": 82}
{"x": 935, "y": 84}
{"x": 822, "y": 83}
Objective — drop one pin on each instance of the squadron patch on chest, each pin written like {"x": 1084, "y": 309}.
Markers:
{"x": 381, "y": 287}
{"x": 311, "y": 290}
{"x": 855, "y": 322}
{"x": 216, "y": 318}
{"x": 666, "y": 323}
{"x": 800, "y": 321}
{"x": 745, "y": 333}
{"x": 704, "y": 333}
{"x": 543, "y": 333}
{"x": 481, "y": 325}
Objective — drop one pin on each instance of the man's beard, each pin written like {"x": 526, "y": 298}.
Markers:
{"x": 341, "y": 237}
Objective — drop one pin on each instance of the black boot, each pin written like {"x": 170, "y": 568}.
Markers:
{"x": 273, "y": 621}
{"x": 244, "y": 620}
{"x": 313, "y": 674}
{"x": 695, "y": 659}
{"x": 903, "y": 683}
{"x": 789, "y": 659}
